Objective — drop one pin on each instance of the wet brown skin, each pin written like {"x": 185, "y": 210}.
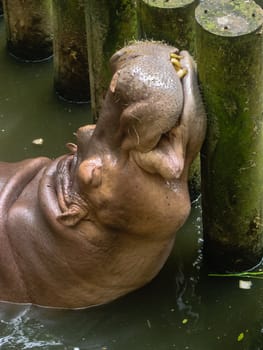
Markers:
{"x": 100, "y": 222}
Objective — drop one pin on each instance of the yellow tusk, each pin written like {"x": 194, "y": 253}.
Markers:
{"x": 182, "y": 72}
{"x": 176, "y": 63}
{"x": 174, "y": 55}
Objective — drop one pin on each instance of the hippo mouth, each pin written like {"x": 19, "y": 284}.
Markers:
{"x": 73, "y": 207}
{"x": 166, "y": 158}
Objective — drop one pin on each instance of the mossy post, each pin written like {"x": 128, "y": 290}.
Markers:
{"x": 71, "y": 69}
{"x": 110, "y": 25}
{"x": 230, "y": 65}
{"x": 28, "y": 28}
{"x": 169, "y": 20}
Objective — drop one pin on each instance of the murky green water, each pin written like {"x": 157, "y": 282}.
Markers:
{"x": 181, "y": 309}
{"x": 29, "y": 109}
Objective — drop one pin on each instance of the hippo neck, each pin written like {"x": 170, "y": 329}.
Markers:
{"x": 104, "y": 263}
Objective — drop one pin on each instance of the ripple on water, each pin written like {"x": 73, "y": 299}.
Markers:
{"x": 20, "y": 331}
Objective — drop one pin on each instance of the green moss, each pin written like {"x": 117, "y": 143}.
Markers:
{"x": 29, "y": 28}
{"x": 172, "y": 24}
{"x": 231, "y": 18}
{"x": 71, "y": 70}
{"x": 69, "y": 16}
{"x": 110, "y": 25}
{"x": 230, "y": 71}
{"x": 168, "y": 3}
{"x": 194, "y": 182}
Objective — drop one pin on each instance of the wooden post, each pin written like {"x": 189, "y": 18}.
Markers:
{"x": 28, "y": 28}
{"x": 168, "y": 20}
{"x": 110, "y": 25}
{"x": 71, "y": 70}
{"x": 1, "y": 8}
{"x": 230, "y": 65}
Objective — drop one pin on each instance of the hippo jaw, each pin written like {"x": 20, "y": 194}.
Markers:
{"x": 166, "y": 159}
{"x": 156, "y": 139}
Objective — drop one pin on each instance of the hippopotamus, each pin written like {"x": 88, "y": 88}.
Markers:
{"x": 99, "y": 222}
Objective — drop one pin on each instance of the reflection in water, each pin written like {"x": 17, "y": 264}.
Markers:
{"x": 181, "y": 309}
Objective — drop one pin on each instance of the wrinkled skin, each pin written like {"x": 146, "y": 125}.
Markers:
{"x": 100, "y": 222}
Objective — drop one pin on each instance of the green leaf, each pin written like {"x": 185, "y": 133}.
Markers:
{"x": 244, "y": 274}
{"x": 241, "y": 337}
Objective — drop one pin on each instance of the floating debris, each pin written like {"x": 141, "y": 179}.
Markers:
{"x": 241, "y": 336}
{"x": 149, "y": 324}
{"x": 38, "y": 142}
{"x": 245, "y": 284}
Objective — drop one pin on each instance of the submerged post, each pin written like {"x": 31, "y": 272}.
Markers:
{"x": 71, "y": 70}
{"x": 110, "y": 25}
{"x": 1, "y": 8}
{"x": 230, "y": 65}
{"x": 172, "y": 21}
{"x": 28, "y": 28}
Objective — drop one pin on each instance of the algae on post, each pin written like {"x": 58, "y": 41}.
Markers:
{"x": 170, "y": 21}
{"x": 110, "y": 25}
{"x": 29, "y": 28}
{"x": 71, "y": 69}
{"x": 230, "y": 65}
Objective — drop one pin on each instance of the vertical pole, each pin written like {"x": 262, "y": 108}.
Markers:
{"x": 71, "y": 70}
{"x": 230, "y": 65}
{"x": 110, "y": 25}
{"x": 28, "y": 28}
{"x": 171, "y": 21}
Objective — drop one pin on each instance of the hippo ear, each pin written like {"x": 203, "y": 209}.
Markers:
{"x": 77, "y": 210}
{"x": 72, "y": 216}
{"x": 72, "y": 147}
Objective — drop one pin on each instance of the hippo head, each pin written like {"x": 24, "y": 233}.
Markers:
{"x": 105, "y": 216}
{"x": 134, "y": 162}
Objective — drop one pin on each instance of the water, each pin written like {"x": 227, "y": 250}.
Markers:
{"x": 182, "y": 309}
{"x": 30, "y": 110}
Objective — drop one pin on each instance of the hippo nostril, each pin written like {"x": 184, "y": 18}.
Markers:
{"x": 89, "y": 173}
